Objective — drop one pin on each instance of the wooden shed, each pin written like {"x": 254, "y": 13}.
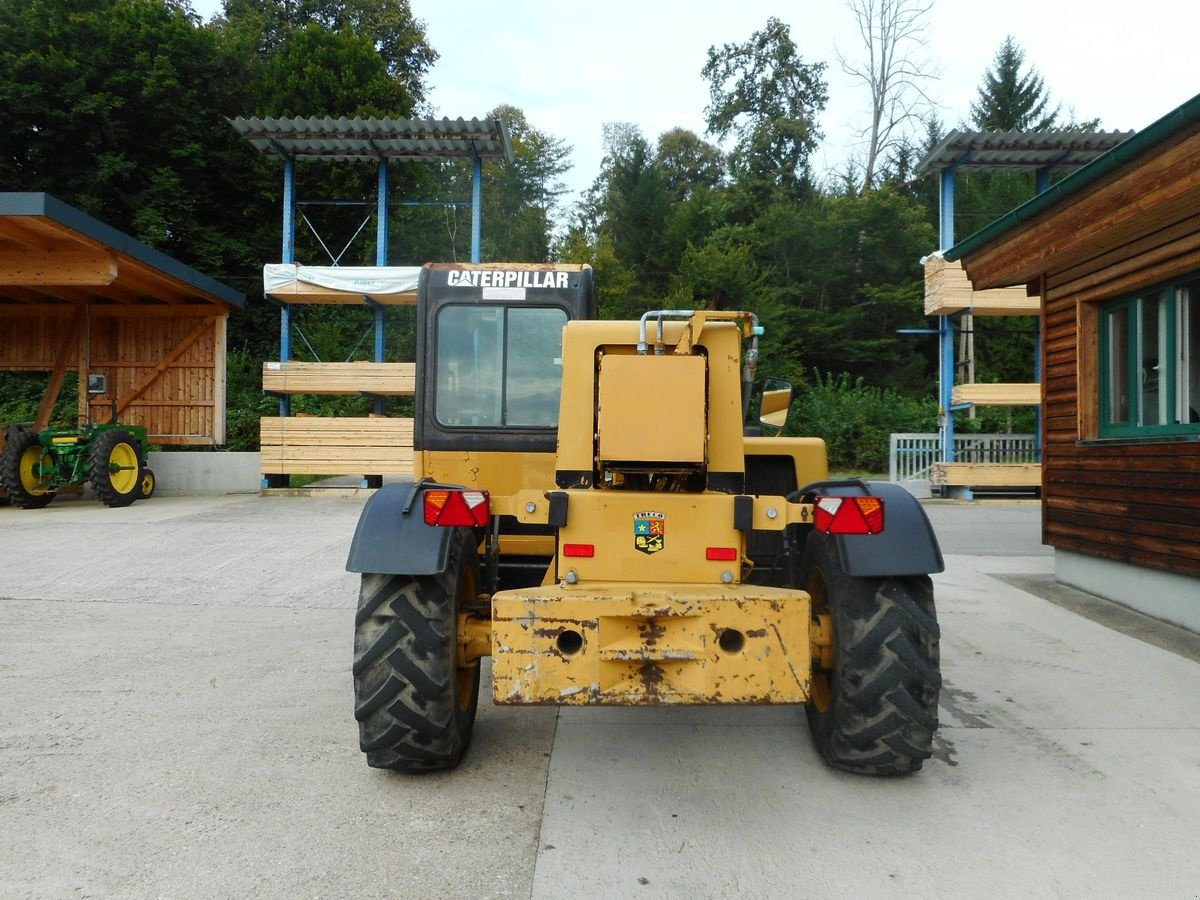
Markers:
{"x": 77, "y": 296}
{"x": 1114, "y": 252}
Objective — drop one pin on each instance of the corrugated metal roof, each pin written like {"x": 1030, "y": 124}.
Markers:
{"x": 991, "y": 150}
{"x": 412, "y": 139}
{"x": 1185, "y": 116}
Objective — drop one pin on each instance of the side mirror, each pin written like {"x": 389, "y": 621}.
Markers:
{"x": 775, "y": 404}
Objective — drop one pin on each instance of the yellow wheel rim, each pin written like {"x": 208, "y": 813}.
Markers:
{"x": 147, "y": 484}
{"x": 822, "y": 665}
{"x": 35, "y": 465}
{"x": 466, "y": 670}
{"x": 123, "y": 468}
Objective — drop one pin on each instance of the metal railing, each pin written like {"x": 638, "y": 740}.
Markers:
{"x": 911, "y": 456}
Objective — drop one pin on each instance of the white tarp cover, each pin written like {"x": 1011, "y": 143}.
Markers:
{"x": 351, "y": 279}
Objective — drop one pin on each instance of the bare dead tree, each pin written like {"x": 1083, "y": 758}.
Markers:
{"x": 895, "y": 71}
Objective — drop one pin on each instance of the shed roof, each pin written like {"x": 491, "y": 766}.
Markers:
{"x": 374, "y": 139}
{"x": 1187, "y": 115}
{"x": 992, "y": 150}
{"x": 51, "y": 252}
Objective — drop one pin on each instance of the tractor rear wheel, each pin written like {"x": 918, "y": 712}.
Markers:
{"x": 874, "y": 711}
{"x": 26, "y": 470}
{"x": 116, "y": 467}
{"x": 414, "y": 698}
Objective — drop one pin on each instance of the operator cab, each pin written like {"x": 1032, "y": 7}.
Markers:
{"x": 490, "y": 338}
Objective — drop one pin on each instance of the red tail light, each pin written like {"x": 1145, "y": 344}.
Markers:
{"x": 848, "y": 515}
{"x": 729, "y": 554}
{"x": 584, "y": 550}
{"x": 457, "y": 507}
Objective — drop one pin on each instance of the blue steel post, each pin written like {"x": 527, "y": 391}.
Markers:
{"x": 946, "y": 386}
{"x": 946, "y": 209}
{"x": 289, "y": 256}
{"x": 476, "y": 208}
{"x": 946, "y": 326}
{"x": 1043, "y": 180}
{"x": 381, "y": 259}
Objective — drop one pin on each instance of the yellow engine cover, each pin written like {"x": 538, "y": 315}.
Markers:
{"x": 652, "y": 409}
{"x": 612, "y": 644}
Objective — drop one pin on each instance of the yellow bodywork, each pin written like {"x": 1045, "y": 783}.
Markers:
{"x": 719, "y": 345}
{"x": 672, "y": 643}
{"x": 644, "y": 599}
{"x": 622, "y": 625}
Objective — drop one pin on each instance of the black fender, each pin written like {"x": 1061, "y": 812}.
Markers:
{"x": 392, "y": 537}
{"x": 906, "y": 546}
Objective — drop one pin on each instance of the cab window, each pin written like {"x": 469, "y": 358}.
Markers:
{"x": 499, "y": 366}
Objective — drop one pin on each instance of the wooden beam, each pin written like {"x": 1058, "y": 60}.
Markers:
{"x": 220, "y": 386}
{"x": 37, "y": 310}
{"x": 179, "y": 349}
{"x": 57, "y": 267}
{"x": 61, "y": 358}
{"x": 17, "y": 230}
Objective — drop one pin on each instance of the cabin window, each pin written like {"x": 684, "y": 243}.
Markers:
{"x": 499, "y": 366}
{"x": 1150, "y": 362}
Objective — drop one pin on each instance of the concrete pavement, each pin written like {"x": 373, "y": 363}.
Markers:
{"x": 175, "y": 720}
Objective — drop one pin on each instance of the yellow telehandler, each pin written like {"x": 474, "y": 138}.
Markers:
{"x": 590, "y": 509}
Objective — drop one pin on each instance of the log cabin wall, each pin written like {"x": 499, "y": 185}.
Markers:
{"x": 1133, "y": 500}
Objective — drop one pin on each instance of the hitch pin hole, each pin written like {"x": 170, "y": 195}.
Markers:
{"x": 731, "y": 640}
{"x": 569, "y": 642}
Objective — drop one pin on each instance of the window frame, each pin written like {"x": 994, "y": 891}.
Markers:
{"x": 1170, "y": 297}
{"x": 504, "y": 309}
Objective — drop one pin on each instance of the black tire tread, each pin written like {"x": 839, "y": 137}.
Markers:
{"x": 405, "y": 673}
{"x": 18, "y": 441}
{"x": 883, "y": 713}
{"x": 101, "y": 452}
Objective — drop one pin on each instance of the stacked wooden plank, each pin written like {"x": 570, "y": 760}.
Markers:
{"x": 334, "y": 445}
{"x": 377, "y": 379}
{"x": 998, "y": 394}
{"x": 1015, "y": 475}
{"x": 302, "y": 292}
{"x": 947, "y": 291}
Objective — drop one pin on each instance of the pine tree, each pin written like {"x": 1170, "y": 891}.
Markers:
{"x": 1012, "y": 101}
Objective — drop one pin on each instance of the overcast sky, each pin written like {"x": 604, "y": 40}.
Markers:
{"x": 573, "y": 66}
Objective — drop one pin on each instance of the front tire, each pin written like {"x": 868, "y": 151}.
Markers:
{"x": 414, "y": 700}
{"x": 146, "y": 485}
{"x": 875, "y": 710}
{"x": 116, "y": 467}
{"x": 26, "y": 470}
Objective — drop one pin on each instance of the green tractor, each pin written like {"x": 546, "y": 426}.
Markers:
{"x": 35, "y": 466}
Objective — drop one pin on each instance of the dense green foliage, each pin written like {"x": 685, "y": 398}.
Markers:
{"x": 856, "y": 420}
{"x": 120, "y": 107}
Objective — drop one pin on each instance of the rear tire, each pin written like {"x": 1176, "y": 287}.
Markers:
{"x": 414, "y": 702}
{"x": 23, "y": 454}
{"x": 116, "y": 468}
{"x": 875, "y": 711}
